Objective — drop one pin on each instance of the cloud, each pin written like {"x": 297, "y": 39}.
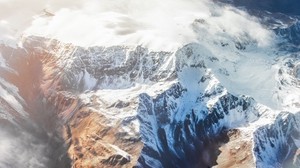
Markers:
{"x": 17, "y": 15}
{"x": 151, "y": 23}
{"x": 21, "y": 150}
{"x": 237, "y": 25}
{"x": 7, "y": 34}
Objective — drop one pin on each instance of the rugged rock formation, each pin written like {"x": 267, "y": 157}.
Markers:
{"x": 128, "y": 107}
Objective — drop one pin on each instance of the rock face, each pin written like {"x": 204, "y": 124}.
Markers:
{"x": 29, "y": 128}
{"x": 276, "y": 6}
{"x": 276, "y": 144}
{"x": 179, "y": 136}
{"x": 128, "y": 107}
{"x": 291, "y": 33}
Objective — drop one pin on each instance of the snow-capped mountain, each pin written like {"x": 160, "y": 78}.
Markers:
{"x": 223, "y": 95}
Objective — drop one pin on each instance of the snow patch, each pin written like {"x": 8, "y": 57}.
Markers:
{"x": 89, "y": 81}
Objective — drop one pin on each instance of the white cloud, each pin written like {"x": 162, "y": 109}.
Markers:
{"x": 21, "y": 150}
{"x": 240, "y": 25}
{"x": 7, "y": 34}
{"x": 150, "y": 23}
{"x": 159, "y": 25}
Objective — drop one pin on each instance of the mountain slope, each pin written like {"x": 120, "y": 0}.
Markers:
{"x": 230, "y": 94}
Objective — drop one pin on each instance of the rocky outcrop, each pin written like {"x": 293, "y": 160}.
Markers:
{"x": 276, "y": 144}
{"x": 130, "y": 107}
{"x": 290, "y": 33}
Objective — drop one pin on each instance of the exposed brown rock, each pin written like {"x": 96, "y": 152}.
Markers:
{"x": 237, "y": 152}
{"x": 93, "y": 144}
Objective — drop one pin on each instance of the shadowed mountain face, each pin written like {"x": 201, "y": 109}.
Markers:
{"x": 280, "y": 6}
{"x": 32, "y": 136}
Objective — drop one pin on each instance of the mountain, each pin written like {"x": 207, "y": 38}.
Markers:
{"x": 275, "y": 6}
{"x": 229, "y": 99}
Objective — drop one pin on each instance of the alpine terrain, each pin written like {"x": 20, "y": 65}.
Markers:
{"x": 150, "y": 84}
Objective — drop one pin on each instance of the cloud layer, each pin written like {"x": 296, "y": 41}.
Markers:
{"x": 151, "y": 23}
{"x": 21, "y": 150}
